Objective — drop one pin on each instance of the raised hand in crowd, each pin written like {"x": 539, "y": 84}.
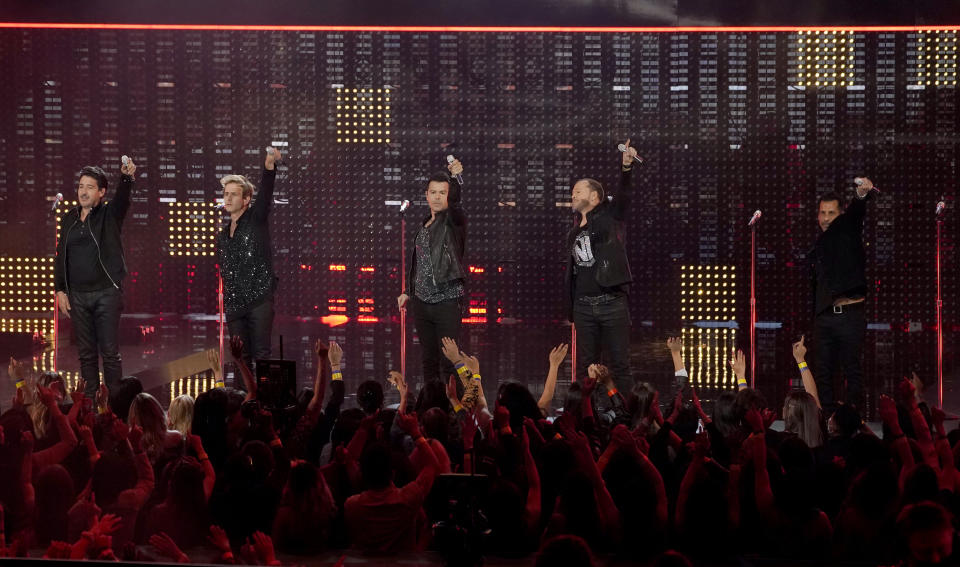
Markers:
{"x": 165, "y": 545}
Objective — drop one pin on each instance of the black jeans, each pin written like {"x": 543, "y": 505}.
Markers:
{"x": 838, "y": 345}
{"x": 433, "y": 322}
{"x": 96, "y": 329}
{"x": 254, "y": 328}
{"x": 604, "y": 329}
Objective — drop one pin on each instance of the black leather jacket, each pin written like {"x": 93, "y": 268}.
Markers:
{"x": 838, "y": 256}
{"x": 448, "y": 240}
{"x": 608, "y": 239}
{"x": 105, "y": 220}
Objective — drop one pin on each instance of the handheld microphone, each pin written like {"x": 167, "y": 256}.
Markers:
{"x": 859, "y": 182}
{"x": 637, "y": 159}
{"x": 56, "y": 201}
{"x": 272, "y": 151}
{"x": 404, "y": 206}
{"x": 940, "y": 206}
{"x": 756, "y": 216}
{"x": 124, "y": 160}
{"x": 451, "y": 159}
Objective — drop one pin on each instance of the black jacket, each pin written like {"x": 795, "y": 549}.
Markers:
{"x": 448, "y": 240}
{"x": 838, "y": 255}
{"x": 608, "y": 240}
{"x": 105, "y": 220}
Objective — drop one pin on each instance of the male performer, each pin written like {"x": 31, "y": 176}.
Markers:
{"x": 435, "y": 282}
{"x": 839, "y": 288}
{"x": 89, "y": 272}
{"x": 246, "y": 260}
{"x": 598, "y": 275}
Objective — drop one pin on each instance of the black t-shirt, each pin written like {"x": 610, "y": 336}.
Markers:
{"x": 585, "y": 266}
{"x": 84, "y": 272}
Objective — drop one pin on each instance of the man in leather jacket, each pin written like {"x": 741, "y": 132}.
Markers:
{"x": 89, "y": 272}
{"x": 839, "y": 291}
{"x": 598, "y": 275}
{"x": 435, "y": 283}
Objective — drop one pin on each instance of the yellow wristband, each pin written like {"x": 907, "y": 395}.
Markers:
{"x": 802, "y": 366}
{"x": 476, "y": 377}
{"x": 21, "y": 384}
{"x": 337, "y": 375}
{"x": 462, "y": 369}
{"x": 219, "y": 384}
{"x": 457, "y": 408}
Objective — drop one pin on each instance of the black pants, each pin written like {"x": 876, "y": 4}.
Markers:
{"x": 433, "y": 322}
{"x": 254, "y": 328}
{"x": 603, "y": 336}
{"x": 96, "y": 329}
{"x": 839, "y": 346}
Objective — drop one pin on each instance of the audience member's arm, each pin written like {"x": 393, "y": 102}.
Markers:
{"x": 609, "y": 513}
{"x": 739, "y": 365}
{"x": 920, "y": 426}
{"x": 532, "y": 509}
{"x": 359, "y": 439}
{"x": 887, "y": 409}
{"x": 68, "y": 440}
{"x": 762, "y": 491}
{"x": 557, "y": 355}
{"x": 26, "y": 471}
{"x": 145, "y": 481}
{"x": 249, "y": 380}
{"x": 209, "y": 475}
{"x": 324, "y": 353}
{"x": 701, "y": 449}
{"x": 806, "y": 375}
{"x": 86, "y": 436}
{"x": 408, "y": 423}
{"x": 947, "y": 468}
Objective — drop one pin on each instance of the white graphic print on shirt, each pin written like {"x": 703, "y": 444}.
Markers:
{"x": 582, "y": 251}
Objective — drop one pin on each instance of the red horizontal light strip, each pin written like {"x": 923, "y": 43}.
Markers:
{"x": 501, "y": 29}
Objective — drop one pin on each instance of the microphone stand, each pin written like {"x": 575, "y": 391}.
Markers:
{"x": 403, "y": 287}
{"x": 939, "y": 316}
{"x": 220, "y": 310}
{"x": 753, "y": 302}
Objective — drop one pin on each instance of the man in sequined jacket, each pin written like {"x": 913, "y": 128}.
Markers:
{"x": 437, "y": 272}
{"x": 245, "y": 256}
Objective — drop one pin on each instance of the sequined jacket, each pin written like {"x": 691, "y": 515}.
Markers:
{"x": 246, "y": 258}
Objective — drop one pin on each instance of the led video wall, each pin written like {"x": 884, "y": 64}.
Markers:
{"x": 727, "y": 123}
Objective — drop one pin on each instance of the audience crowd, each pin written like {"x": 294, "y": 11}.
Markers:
{"x": 645, "y": 477}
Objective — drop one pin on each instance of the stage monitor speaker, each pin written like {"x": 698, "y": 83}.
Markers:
{"x": 277, "y": 383}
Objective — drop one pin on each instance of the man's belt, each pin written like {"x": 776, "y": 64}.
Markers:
{"x": 598, "y": 299}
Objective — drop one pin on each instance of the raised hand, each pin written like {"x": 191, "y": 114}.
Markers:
{"x": 16, "y": 370}
{"x": 675, "y": 344}
{"x": 77, "y": 393}
{"x": 677, "y": 406}
{"x": 236, "y": 347}
{"x": 408, "y": 424}
{"x": 136, "y": 437}
{"x": 799, "y": 350}
{"x": 165, "y": 545}
{"x": 455, "y": 168}
{"x": 336, "y": 354}
{"x": 272, "y": 159}
{"x": 452, "y": 390}
{"x": 218, "y": 537}
{"x": 473, "y": 364}
{"x": 558, "y": 354}
{"x": 887, "y": 409}
{"x": 263, "y": 546}
{"x": 629, "y": 154}
{"x": 128, "y": 168}
{"x": 754, "y": 420}
{"x": 451, "y": 350}
{"x": 322, "y": 350}
{"x": 47, "y": 395}
{"x": 739, "y": 364}
{"x": 213, "y": 358}
{"x": 103, "y": 396}
{"x": 501, "y": 417}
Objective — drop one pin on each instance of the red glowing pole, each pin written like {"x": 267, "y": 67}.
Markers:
{"x": 573, "y": 357}
{"x": 753, "y": 305}
{"x": 403, "y": 288}
{"x": 220, "y": 308}
{"x": 939, "y": 318}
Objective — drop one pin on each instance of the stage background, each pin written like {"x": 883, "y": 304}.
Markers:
{"x": 727, "y": 122}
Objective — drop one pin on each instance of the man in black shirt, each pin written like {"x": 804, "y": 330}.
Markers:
{"x": 89, "y": 272}
{"x": 598, "y": 275}
{"x": 246, "y": 260}
{"x": 839, "y": 291}
{"x": 437, "y": 273}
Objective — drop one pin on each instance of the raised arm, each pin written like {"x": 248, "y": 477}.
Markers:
{"x": 263, "y": 204}
{"x": 806, "y": 375}
{"x": 557, "y": 355}
{"x": 249, "y": 381}
{"x": 623, "y": 197}
{"x": 739, "y": 365}
{"x": 68, "y": 440}
{"x": 120, "y": 203}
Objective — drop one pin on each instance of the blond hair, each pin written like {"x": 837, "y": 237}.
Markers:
{"x": 240, "y": 180}
{"x": 180, "y": 414}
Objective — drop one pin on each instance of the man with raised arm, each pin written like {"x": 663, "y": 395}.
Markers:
{"x": 435, "y": 284}
{"x": 598, "y": 274}
{"x": 839, "y": 285}
{"x": 89, "y": 272}
{"x": 245, "y": 256}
